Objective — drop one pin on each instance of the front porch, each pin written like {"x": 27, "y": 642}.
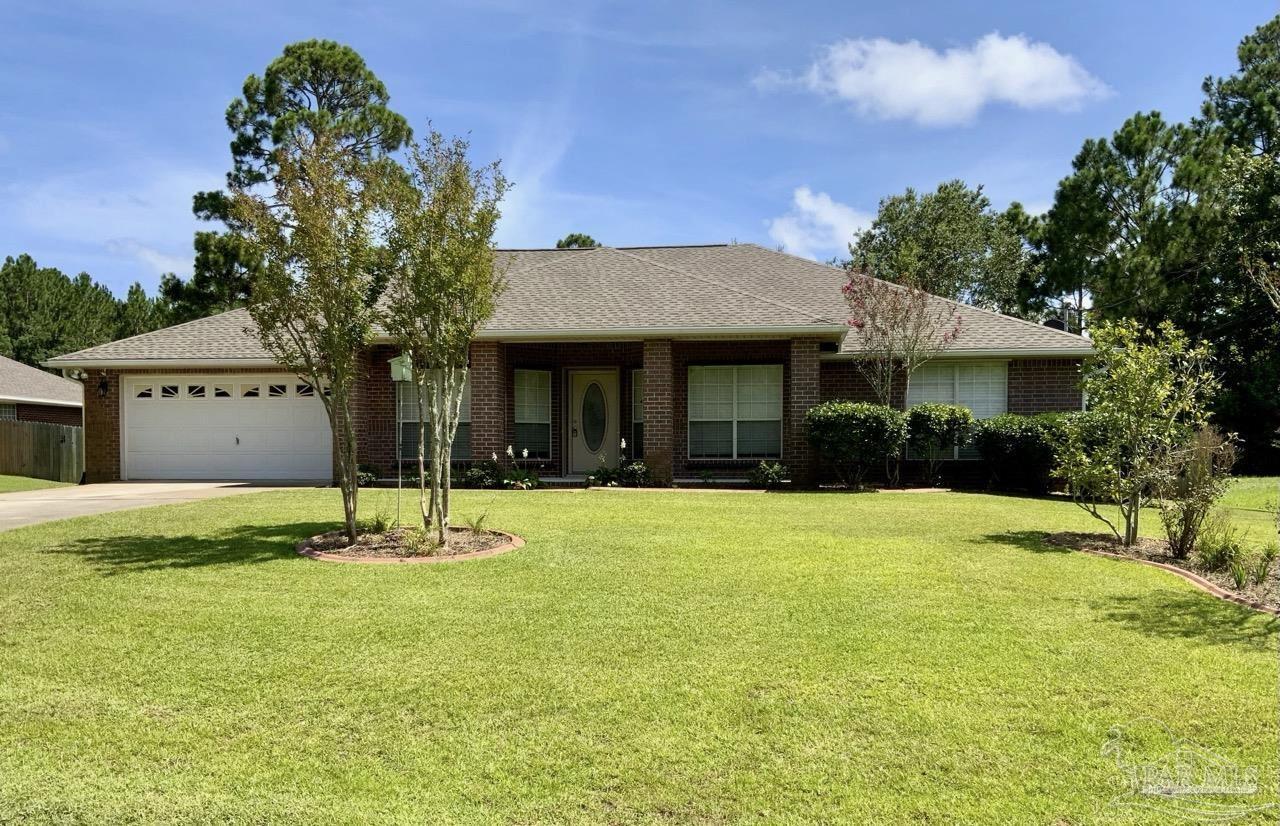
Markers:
{"x": 689, "y": 409}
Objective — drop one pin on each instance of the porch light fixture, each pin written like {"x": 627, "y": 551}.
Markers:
{"x": 104, "y": 386}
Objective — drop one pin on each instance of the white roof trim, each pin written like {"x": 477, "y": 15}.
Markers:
{"x": 637, "y": 333}
{"x": 1006, "y": 352}
{"x": 6, "y": 398}
{"x": 118, "y": 364}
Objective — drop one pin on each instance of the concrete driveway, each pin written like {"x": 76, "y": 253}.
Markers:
{"x": 35, "y": 506}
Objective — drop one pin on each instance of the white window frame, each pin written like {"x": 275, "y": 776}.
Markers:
{"x": 515, "y": 379}
{"x": 637, "y": 407}
{"x": 955, "y": 390}
{"x": 689, "y": 419}
{"x": 8, "y": 412}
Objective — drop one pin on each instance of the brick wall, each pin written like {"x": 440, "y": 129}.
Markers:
{"x": 488, "y": 399}
{"x": 50, "y": 414}
{"x": 804, "y": 385}
{"x": 843, "y": 381}
{"x": 659, "y": 410}
{"x": 1044, "y": 385}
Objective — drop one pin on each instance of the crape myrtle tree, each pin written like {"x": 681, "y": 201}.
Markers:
{"x": 1149, "y": 392}
{"x": 443, "y": 284}
{"x": 315, "y": 230}
{"x": 899, "y": 327}
{"x": 314, "y": 87}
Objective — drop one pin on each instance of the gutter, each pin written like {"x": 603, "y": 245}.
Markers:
{"x": 1043, "y": 352}
{"x": 117, "y": 364}
{"x": 7, "y": 399}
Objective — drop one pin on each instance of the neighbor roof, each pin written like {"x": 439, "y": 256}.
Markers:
{"x": 632, "y": 292}
{"x": 22, "y": 383}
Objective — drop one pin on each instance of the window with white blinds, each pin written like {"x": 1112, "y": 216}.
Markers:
{"x": 981, "y": 386}
{"x": 533, "y": 413}
{"x": 408, "y": 418}
{"x": 8, "y": 412}
{"x": 635, "y": 449}
{"x": 735, "y": 412}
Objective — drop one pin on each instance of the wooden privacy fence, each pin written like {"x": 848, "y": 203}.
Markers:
{"x": 42, "y": 451}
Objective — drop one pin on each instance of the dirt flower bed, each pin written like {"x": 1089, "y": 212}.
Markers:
{"x": 1157, "y": 550}
{"x": 407, "y": 544}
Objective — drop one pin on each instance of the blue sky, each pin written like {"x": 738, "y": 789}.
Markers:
{"x": 639, "y": 123}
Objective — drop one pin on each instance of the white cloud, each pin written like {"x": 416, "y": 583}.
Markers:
{"x": 817, "y": 225}
{"x": 157, "y": 261}
{"x": 911, "y": 81}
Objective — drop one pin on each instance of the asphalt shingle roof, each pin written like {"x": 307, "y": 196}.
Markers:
{"x": 631, "y": 290}
{"x": 20, "y": 382}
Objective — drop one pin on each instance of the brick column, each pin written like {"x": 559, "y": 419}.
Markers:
{"x": 102, "y": 428}
{"x": 488, "y": 399}
{"x": 805, "y": 392}
{"x": 658, "y": 410}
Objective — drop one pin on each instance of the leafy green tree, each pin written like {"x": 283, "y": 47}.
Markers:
{"x": 1149, "y": 392}
{"x": 442, "y": 287}
{"x": 576, "y": 240}
{"x": 949, "y": 242}
{"x": 315, "y": 88}
{"x": 313, "y": 299}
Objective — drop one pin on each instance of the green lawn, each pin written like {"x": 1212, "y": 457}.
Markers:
{"x": 13, "y": 484}
{"x": 1253, "y": 502}
{"x": 647, "y": 657}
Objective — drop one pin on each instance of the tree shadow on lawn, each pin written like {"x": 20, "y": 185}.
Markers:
{"x": 236, "y": 546}
{"x": 1171, "y": 613}
{"x": 1034, "y": 541}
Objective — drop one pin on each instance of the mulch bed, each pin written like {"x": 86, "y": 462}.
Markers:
{"x": 1264, "y": 596}
{"x": 405, "y": 545}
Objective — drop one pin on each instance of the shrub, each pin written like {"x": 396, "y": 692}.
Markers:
{"x": 853, "y": 436}
{"x": 1262, "y": 563}
{"x": 519, "y": 478}
{"x": 625, "y": 475}
{"x": 1019, "y": 450}
{"x": 366, "y": 476}
{"x": 768, "y": 475}
{"x": 1219, "y": 545}
{"x": 482, "y": 475}
{"x": 1199, "y": 476}
{"x": 933, "y": 430}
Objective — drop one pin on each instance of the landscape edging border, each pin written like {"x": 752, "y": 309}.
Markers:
{"x": 1195, "y": 579}
{"x": 304, "y": 549}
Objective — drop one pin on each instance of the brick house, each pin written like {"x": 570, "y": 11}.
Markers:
{"x": 31, "y": 395}
{"x": 702, "y": 358}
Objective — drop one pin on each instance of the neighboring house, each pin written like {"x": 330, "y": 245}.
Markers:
{"x": 703, "y": 358}
{"x": 31, "y": 395}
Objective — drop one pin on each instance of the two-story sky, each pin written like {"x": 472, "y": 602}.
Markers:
{"x": 639, "y": 123}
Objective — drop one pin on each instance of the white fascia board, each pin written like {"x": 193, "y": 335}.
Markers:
{"x": 6, "y": 398}
{"x": 164, "y": 364}
{"x": 1058, "y": 352}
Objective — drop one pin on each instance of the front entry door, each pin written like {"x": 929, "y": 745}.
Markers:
{"x": 593, "y": 419}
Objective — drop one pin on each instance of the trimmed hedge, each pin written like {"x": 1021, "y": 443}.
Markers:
{"x": 1020, "y": 451}
{"x": 852, "y": 437}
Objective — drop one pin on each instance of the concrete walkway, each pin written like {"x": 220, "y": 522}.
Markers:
{"x": 34, "y": 506}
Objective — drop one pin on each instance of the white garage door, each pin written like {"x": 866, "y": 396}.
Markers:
{"x": 224, "y": 427}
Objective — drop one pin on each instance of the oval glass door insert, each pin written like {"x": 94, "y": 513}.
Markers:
{"x": 593, "y": 416}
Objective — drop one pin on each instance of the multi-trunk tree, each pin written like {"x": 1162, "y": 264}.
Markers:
{"x": 443, "y": 284}
{"x": 313, "y": 299}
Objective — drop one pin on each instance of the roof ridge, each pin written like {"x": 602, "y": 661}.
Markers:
{"x": 958, "y": 304}
{"x": 739, "y": 291}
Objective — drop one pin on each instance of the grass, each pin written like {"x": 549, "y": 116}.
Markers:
{"x": 15, "y": 484}
{"x": 647, "y": 657}
{"x": 1252, "y": 501}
